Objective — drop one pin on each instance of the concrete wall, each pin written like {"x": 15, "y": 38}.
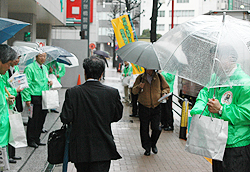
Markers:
{"x": 79, "y": 48}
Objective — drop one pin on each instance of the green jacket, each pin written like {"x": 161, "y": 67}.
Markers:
{"x": 236, "y": 108}
{"x": 37, "y": 80}
{"x": 170, "y": 80}
{"x": 58, "y": 69}
{"x": 127, "y": 70}
{"x": 4, "y": 116}
{"x": 8, "y": 86}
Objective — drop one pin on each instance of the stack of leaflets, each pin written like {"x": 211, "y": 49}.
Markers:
{"x": 17, "y": 80}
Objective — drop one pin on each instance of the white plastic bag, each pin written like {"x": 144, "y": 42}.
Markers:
{"x": 56, "y": 84}
{"x": 17, "y": 137}
{"x": 50, "y": 99}
{"x": 4, "y": 160}
{"x": 207, "y": 137}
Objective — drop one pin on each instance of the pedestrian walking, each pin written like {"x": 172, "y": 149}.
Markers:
{"x": 150, "y": 86}
{"x": 127, "y": 72}
{"x": 90, "y": 108}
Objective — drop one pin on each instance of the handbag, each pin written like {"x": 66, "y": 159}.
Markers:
{"x": 50, "y": 99}
{"x": 207, "y": 137}
{"x": 56, "y": 84}
{"x": 56, "y": 145}
{"x": 4, "y": 160}
{"x": 17, "y": 137}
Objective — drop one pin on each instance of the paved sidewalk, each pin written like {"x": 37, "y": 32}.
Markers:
{"x": 171, "y": 156}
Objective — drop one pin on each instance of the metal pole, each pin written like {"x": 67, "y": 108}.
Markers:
{"x": 172, "y": 24}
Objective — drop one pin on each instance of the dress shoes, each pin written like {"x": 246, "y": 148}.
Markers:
{"x": 54, "y": 111}
{"x": 169, "y": 128}
{"x": 147, "y": 153}
{"x": 154, "y": 149}
{"x": 12, "y": 160}
{"x": 41, "y": 144}
{"x": 16, "y": 158}
{"x": 33, "y": 144}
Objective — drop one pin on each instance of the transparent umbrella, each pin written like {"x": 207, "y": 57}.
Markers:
{"x": 52, "y": 53}
{"x": 207, "y": 50}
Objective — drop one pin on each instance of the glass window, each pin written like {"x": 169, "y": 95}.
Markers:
{"x": 161, "y": 13}
{"x": 160, "y": 27}
{"x": 104, "y": 31}
{"x": 182, "y": 13}
{"x": 182, "y": 1}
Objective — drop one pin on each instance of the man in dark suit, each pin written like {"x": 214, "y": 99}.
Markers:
{"x": 90, "y": 108}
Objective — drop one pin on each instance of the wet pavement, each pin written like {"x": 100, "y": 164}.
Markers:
{"x": 171, "y": 155}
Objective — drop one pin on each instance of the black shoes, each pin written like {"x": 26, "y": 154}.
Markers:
{"x": 33, "y": 144}
{"x": 169, "y": 128}
{"x": 54, "y": 111}
{"x": 11, "y": 160}
{"x": 41, "y": 144}
{"x": 147, "y": 153}
{"x": 44, "y": 131}
{"x": 16, "y": 158}
{"x": 154, "y": 149}
{"x": 132, "y": 115}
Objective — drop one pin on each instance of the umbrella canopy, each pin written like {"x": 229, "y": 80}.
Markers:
{"x": 73, "y": 60}
{"x": 52, "y": 53}
{"x": 63, "y": 52}
{"x": 9, "y": 27}
{"x": 27, "y": 55}
{"x": 204, "y": 47}
{"x": 141, "y": 53}
{"x": 101, "y": 53}
{"x": 64, "y": 60}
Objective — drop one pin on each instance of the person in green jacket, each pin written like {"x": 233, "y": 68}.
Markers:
{"x": 18, "y": 102}
{"x": 7, "y": 55}
{"x": 127, "y": 71}
{"x": 167, "y": 118}
{"x": 231, "y": 104}
{"x": 37, "y": 77}
{"x": 56, "y": 68}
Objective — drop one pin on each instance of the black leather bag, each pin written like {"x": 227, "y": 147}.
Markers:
{"x": 56, "y": 145}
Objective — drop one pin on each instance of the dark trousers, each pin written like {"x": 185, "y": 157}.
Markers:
{"x": 35, "y": 124}
{"x": 147, "y": 116}
{"x": 11, "y": 151}
{"x": 234, "y": 160}
{"x": 134, "y": 103}
{"x": 99, "y": 166}
{"x": 167, "y": 118}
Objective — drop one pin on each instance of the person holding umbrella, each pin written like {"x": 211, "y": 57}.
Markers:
{"x": 102, "y": 55}
{"x": 37, "y": 79}
{"x": 232, "y": 104}
{"x": 17, "y": 104}
{"x": 7, "y": 56}
{"x": 150, "y": 86}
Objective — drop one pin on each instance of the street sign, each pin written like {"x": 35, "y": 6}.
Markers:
{"x": 92, "y": 46}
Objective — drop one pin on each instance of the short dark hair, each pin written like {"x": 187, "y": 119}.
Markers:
{"x": 7, "y": 53}
{"x": 94, "y": 67}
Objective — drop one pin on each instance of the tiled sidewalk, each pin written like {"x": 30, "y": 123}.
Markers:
{"x": 171, "y": 156}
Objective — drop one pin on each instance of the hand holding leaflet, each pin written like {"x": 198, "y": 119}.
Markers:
{"x": 164, "y": 97}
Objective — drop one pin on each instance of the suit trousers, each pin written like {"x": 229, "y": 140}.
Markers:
{"x": 134, "y": 103}
{"x": 99, "y": 166}
{"x": 11, "y": 151}
{"x": 147, "y": 116}
{"x": 167, "y": 118}
{"x": 35, "y": 124}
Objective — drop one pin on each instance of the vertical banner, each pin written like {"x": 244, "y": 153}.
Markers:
{"x": 85, "y": 14}
{"x": 230, "y": 4}
{"x": 123, "y": 30}
{"x": 137, "y": 69}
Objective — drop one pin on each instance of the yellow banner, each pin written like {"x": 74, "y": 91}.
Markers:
{"x": 137, "y": 69}
{"x": 123, "y": 30}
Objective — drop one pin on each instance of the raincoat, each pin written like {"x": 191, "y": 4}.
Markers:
{"x": 170, "y": 80}
{"x": 8, "y": 86}
{"x": 236, "y": 108}
{"x": 4, "y": 116}
{"x": 37, "y": 79}
{"x": 127, "y": 70}
{"x": 58, "y": 69}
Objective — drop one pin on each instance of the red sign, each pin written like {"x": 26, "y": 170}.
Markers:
{"x": 92, "y": 46}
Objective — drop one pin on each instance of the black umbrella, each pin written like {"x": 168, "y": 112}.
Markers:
{"x": 101, "y": 53}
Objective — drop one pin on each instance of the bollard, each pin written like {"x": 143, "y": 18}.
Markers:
{"x": 184, "y": 119}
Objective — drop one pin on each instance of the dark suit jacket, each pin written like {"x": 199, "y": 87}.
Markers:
{"x": 91, "y": 108}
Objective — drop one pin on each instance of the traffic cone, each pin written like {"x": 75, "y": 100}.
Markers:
{"x": 119, "y": 68}
{"x": 79, "y": 80}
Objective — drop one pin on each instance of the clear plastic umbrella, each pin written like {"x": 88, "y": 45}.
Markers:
{"x": 52, "y": 53}
{"x": 207, "y": 50}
